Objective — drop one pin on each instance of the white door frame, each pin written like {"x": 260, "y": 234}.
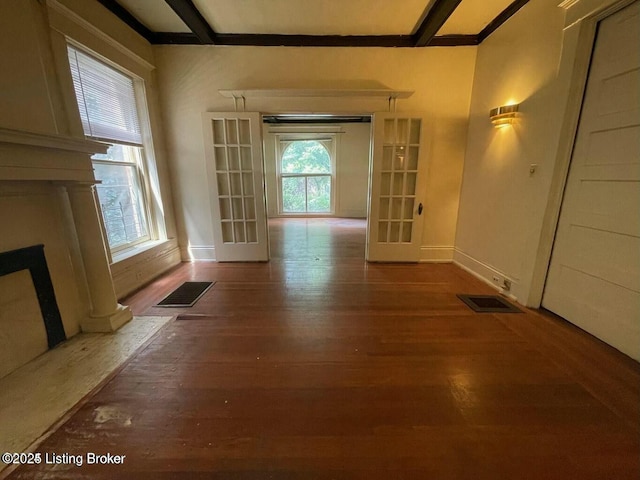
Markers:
{"x": 581, "y": 22}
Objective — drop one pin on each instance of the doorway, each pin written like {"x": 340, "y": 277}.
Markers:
{"x": 317, "y": 185}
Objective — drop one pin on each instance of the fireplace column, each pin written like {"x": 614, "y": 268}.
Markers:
{"x": 106, "y": 313}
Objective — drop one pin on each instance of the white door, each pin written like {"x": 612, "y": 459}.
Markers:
{"x": 394, "y": 229}
{"x": 233, "y": 149}
{"x": 594, "y": 275}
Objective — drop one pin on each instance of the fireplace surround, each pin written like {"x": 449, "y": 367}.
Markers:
{"x": 33, "y": 259}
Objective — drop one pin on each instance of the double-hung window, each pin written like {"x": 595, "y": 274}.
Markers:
{"x": 306, "y": 176}
{"x": 109, "y": 113}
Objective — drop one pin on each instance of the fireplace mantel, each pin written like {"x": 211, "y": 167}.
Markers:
{"x": 26, "y": 156}
{"x": 29, "y": 160}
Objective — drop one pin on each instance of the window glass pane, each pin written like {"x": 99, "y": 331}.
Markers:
{"x": 119, "y": 153}
{"x": 121, "y": 202}
{"x": 306, "y": 156}
{"x": 319, "y": 194}
{"x": 293, "y": 195}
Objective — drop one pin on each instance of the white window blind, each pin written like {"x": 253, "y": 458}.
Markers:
{"x": 106, "y": 100}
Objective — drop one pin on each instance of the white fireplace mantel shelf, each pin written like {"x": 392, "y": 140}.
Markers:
{"x": 27, "y": 156}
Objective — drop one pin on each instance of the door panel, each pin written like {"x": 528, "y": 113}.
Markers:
{"x": 394, "y": 230}
{"x": 233, "y": 149}
{"x": 594, "y": 275}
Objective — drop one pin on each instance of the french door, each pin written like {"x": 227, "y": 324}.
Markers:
{"x": 394, "y": 229}
{"x": 233, "y": 149}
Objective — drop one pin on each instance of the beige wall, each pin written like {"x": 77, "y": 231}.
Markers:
{"x": 352, "y": 142}
{"x": 95, "y": 28}
{"x": 190, "y": 77}
{"x": 502, "y": 206}
{"x": 38, "y": 121}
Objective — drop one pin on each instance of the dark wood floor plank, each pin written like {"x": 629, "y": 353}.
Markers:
{"x": 317, "y": 365}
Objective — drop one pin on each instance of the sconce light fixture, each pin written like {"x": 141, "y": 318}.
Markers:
{"x": 504, "y": 115}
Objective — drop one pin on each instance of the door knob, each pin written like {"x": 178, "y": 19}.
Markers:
{"x": 420, "y": 209}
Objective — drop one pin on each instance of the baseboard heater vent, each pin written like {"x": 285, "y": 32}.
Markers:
{"x": 488, "y": 304}
{"x": 186, "y": 295}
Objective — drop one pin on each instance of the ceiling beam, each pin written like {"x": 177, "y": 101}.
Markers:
{"x": 190, "y": 15}
{"x": 114, "y": 7}
{"x": 501, "y": 18}
{"x": 438, "y": 14}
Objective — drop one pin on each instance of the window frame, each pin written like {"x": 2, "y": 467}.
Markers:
{"x": 328, "y": 141}
{"x": 145, "y": 158}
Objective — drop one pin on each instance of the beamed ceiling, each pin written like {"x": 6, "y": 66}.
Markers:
{"x": 308, "y": 23}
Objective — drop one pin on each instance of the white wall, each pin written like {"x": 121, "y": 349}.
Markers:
{"x": 190, "y": 77}
{"x": 502, "y": 206}
{"x": 352, "y": 167}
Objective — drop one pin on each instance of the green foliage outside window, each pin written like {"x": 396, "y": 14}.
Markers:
{"x": 305, "y": 193}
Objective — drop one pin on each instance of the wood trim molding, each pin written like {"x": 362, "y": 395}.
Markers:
{"x": 434, "y": 17}
{"x": 505, "y": 15}
{"x": 190, "y": 15}
{"x": 438, "y": 14}
{"x": 124, "y": 15}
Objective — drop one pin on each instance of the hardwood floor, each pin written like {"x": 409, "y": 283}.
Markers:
{"x": 317, "y": 365}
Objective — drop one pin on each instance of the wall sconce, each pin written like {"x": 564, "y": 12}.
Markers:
{"x": 502, "y": 116}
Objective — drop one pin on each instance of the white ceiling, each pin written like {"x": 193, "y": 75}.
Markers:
{"x": 317, "y": 17}
{"x": 156, "y": 15}
{"x": 472, "y": 16}
{"x": 313, "y": 17}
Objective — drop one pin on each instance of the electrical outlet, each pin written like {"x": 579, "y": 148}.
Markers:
{"x": 496, "y": 279}
{"x": 506, "y": 285}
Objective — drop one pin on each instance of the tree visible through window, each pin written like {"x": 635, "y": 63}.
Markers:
{"x": 108, "y": 109}
{"x": 306, "y": 177}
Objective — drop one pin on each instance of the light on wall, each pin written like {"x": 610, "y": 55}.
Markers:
{"x": 504, "y": 115}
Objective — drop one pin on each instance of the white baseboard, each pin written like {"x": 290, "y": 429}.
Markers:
{"x": 436, "y": 254}
{"x": 194, "y": 253}
{"x": 352, "y": 214}
{"x": 484, "y": 272}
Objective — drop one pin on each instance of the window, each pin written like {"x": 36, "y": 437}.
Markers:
{"x": 109, "y": 113}
{"x": 306, "y": 176}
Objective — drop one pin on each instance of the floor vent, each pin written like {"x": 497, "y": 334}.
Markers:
{"x": 186, "y": 294}
{"x": 488, "y": 304}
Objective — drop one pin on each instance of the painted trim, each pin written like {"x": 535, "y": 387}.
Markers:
{"x": 484, "y": 272}
{"x": 132, "y": 273}
{"x": 436, "y": 254}
{"x": 95, "y": 31}
{"x": 577, "y": 47}
{"x": 196, "y": 253}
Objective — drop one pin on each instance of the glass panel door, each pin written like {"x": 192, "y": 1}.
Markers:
{"x": 395, "y": 221}
{"x": 233, "y": 146}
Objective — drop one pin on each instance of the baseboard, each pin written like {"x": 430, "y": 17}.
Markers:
{"x": 436, "y": 254}
{"x": 484, "y": 272}
{"x": 198, "y": 253}
{"x": 132, "y": 273}
{"x": 352, "y": 214}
